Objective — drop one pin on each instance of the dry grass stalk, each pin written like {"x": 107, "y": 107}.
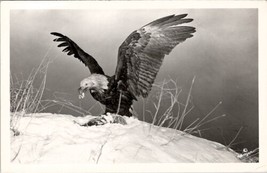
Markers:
{"x": 25, "y": 97}
{"x": 176, "y": 111}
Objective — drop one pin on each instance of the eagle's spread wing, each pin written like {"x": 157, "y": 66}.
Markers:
{"x": 73, "y": 49}
{"x": 141, "y": 54}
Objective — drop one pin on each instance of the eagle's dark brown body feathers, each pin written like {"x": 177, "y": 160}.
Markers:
{"x": 139, "y": 59}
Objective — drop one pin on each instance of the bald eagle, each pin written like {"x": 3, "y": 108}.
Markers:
{"x": 139, "y": 59}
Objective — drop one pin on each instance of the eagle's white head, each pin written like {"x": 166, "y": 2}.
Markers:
{"x": 93, "y": 83}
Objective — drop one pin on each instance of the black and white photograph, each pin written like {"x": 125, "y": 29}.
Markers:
{"x": 114, "y": 83}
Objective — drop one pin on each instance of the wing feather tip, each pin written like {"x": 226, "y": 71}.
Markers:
{"x": 56, "y": 34}
{"x": 182, "y": 15}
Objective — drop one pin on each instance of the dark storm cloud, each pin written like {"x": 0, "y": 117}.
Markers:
{"x": 223, "y": 55}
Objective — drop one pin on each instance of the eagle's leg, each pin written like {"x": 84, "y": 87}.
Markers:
{"x": 116, "y": 109}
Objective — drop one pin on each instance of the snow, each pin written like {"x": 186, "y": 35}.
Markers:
{"x": 57, "y": 138}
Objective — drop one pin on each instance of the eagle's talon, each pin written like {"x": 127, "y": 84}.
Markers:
{"x": 94, "y": 122}
{"x": 105, "y": 119}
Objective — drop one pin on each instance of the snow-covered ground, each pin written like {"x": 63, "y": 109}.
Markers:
{"x": 58, "y": 138}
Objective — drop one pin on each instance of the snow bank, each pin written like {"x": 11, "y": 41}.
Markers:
{"x": 57, "y": 138}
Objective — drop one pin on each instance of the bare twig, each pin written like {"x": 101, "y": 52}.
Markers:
{"x": 233, "y": 140}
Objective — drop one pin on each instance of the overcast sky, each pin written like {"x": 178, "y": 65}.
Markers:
{"x": 223, "y": 55}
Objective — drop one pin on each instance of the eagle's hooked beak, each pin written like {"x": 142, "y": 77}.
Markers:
{"x": 81, "y": 93}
